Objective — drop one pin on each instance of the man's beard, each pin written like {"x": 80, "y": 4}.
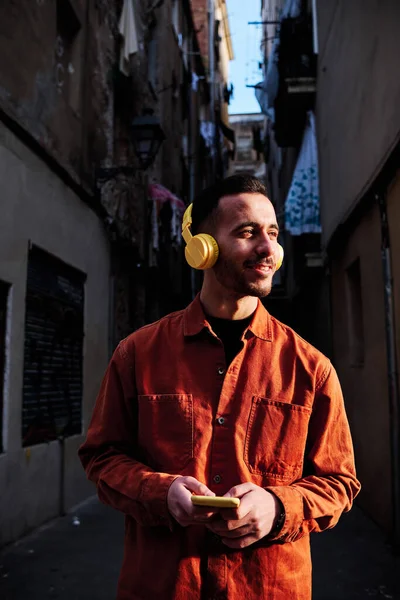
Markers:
{"x": 234, "y": 279}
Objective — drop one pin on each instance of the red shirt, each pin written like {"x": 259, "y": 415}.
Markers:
{"x": 170, "y": 406}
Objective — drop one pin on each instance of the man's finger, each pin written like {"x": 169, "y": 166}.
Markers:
{"x": 240, "y": 490}
{"x": 196, "y": 486}
{"x": 230, "y": 514}
{"x": 241, "y": 512}
{"x": 203, "y": 513}
{"x": 221, "y": 527}
{"x": 222, "y": 530}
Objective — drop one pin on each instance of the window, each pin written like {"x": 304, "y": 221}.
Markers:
{"x": 4, "y": 288}
{"x": 355, "y": 314}
{"x": 244, "y": 148}
{"x": 52, "y": 384}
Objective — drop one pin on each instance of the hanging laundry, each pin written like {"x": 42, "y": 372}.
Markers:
{"x": 195, "y": 81}
{"x": 207, "y": 131}
{"x": 302, "y": 214}
{"x": 127, "y": 29}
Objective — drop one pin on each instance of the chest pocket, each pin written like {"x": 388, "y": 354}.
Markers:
{"x": 165, "y": 430}
{"x": 276, "y": 438}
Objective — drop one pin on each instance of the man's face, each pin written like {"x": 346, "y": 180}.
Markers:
{"x": 247, "y": 234}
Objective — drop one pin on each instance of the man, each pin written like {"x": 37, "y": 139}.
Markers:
{"x": 221, "y": 398}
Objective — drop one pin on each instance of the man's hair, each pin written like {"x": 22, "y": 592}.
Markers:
{"x": 206, "y": 203}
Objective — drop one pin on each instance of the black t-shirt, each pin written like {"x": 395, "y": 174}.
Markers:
{"x": 230, "y": 333}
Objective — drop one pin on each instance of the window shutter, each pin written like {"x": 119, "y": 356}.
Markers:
{"x": 52, "y": 386}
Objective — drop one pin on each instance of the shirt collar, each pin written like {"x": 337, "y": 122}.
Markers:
{"x": 194, "y": 320}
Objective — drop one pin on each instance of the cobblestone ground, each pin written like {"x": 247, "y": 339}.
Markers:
{"x": 78, "y": 557}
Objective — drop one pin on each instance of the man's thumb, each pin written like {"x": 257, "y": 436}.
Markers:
{"x": 197, "y": 487}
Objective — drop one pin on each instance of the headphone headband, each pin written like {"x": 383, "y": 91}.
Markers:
{"x": 187, "y": 217}
{"x": 202, "y": 250}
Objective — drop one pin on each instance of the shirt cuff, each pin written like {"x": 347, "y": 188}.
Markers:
{"x": 292, "y": 502}
{"x": 153, "y": 497}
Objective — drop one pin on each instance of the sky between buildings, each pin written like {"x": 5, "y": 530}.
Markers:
{"x": 246, "y": 39}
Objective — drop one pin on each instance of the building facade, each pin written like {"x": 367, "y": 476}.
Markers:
{"x": 90, "y": 245}
{"x": 287, "y": 96}
{"x": 359, "y": 129}
{"x": 214, "y": 37}
{"x": 338, "y": 73}
{"x": 249, "y": 156}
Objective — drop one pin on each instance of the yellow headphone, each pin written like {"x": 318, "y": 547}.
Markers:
{"x": 202, "y": 250}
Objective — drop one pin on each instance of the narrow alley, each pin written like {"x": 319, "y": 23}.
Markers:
{"x": 78, "y": 557}
{"x": 239, "y": 160}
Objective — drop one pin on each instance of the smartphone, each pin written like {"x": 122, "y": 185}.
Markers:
{"x": 215, "y": 501}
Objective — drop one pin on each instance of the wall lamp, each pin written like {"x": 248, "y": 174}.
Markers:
{"x": 147, "y": 137}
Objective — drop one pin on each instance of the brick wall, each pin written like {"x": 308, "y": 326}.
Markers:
{"x": 200, "y": 20}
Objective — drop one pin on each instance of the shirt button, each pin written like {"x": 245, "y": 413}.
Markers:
{"x": 220, "y": 420}
{"x": 221, "y": 370}
{"x": 217, "y": 478}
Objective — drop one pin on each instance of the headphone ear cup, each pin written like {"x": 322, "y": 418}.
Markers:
{"x": 280, "y": 255}
{"x": 202, "y": 251}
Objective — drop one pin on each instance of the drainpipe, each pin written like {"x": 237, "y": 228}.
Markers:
{"x": 61, "y": 506}
{"x": 315, "y": 26}
{"x": 394, "y": 398}
{"x": 192, "y": 148}
{"x": 211, "y": 69}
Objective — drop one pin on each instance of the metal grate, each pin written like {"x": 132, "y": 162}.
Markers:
{"x": 52, "y": 388}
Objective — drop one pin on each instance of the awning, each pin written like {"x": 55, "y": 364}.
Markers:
{"x": 302, "y": 214}
{"x": 159, "y": 194}
{"x": 162, "y": 194}
{"x": 262, "y": 98}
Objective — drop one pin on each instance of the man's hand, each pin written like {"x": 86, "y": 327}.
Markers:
{"x": 251, "y": 521}
{"x": 180, "y": 505}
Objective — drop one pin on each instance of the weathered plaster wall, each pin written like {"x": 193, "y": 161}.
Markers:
{"x": 358, "y": 98}
{"x": 365, "y": 385}
{"x": 36, "y": 206}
